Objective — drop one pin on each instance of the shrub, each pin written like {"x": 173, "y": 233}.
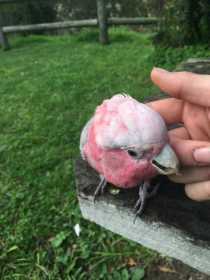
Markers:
{"x": 184, "y": 22}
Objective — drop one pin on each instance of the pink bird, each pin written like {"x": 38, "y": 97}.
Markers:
{"x": 126, "y": 142}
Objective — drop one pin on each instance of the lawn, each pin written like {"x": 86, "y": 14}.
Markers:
{"x": 49, "y": 88}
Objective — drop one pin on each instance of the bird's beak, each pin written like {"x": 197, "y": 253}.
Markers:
{"x": 166, "y": 162}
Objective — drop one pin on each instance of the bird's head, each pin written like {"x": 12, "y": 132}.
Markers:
{"x": 134, "y": 136}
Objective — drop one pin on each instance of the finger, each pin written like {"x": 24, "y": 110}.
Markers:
{"x": 180, "y": 132}
{"x": 170, "y": 109}
{"x": 187, "y": 86}
{"x": 190, "y": 152}
{"x": 191, "y": 174}
{"x": 198, "y": 191}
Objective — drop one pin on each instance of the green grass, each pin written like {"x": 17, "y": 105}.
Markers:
{"x": 49, "y": 88}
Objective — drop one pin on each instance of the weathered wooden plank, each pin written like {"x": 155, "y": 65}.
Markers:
{"x": 79, "y": 23}
{"x": 133, "y": 21}
{"x": 172, "y": 224}
{"x": 13, "y": 1}
{"x": 102, "y": 22}
{"x": 3, "y": 40}
{"x": 49, "y": 26}
{"x": 195, "y": 65}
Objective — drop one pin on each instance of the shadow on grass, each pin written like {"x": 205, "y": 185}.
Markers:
{"x": 19, "y": 41}
{"x": 84, "y": 36}
{"x": 93, "y": 37}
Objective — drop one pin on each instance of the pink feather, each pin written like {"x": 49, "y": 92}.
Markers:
{"x": 119, "y": 124}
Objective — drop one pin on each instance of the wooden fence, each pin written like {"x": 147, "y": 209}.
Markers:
{"x": 102, "y": 21}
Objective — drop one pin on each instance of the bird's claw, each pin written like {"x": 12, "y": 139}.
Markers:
{"x": 100, "y": 188}
{"x": 144, "y": 194}
{"x": 152, "y": 190}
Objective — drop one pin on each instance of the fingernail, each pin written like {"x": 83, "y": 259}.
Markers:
{"x": 160, "y": 70}
{"x": 202, "y": 155}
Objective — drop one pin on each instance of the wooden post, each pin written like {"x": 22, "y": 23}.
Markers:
{"x": 102, "y": 22}
{"x": 3, "y": 40}
{"x": 3, "y": 37}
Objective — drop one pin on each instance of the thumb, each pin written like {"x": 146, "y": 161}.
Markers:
{"x": 198, "y": 191}
{"x": 191, "y": 174}
{"x": 196, "y": 180}
{"x": 191, "y": 152}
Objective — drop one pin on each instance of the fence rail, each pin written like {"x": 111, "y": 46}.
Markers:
{"x": 102, "y": 21}
{"x": 133, "y": 21}
{"x": 15, "y": 1}
{"x": 77, "y": 23}
{"x": 50, "y": 26}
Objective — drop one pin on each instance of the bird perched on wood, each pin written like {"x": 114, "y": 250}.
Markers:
{"x": 126, "y": 142}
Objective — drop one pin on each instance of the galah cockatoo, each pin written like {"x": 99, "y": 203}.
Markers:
{"x": 127, "y": 143}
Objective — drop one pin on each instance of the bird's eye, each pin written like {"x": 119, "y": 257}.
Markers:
{"x": 132, "y": 153}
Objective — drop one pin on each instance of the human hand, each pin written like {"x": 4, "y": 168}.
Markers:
{"x": 189, "y": 105}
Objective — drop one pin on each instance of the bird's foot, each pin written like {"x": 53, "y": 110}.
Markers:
{"x": 100, "y": 188}
{"x": 152, "y": 190}
{"x": 145, "y": 192}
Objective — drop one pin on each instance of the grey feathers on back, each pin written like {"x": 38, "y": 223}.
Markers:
{"x": 83, "y": 137}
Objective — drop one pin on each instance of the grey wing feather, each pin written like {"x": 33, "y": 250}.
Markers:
{"x": 84, "y": 136}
